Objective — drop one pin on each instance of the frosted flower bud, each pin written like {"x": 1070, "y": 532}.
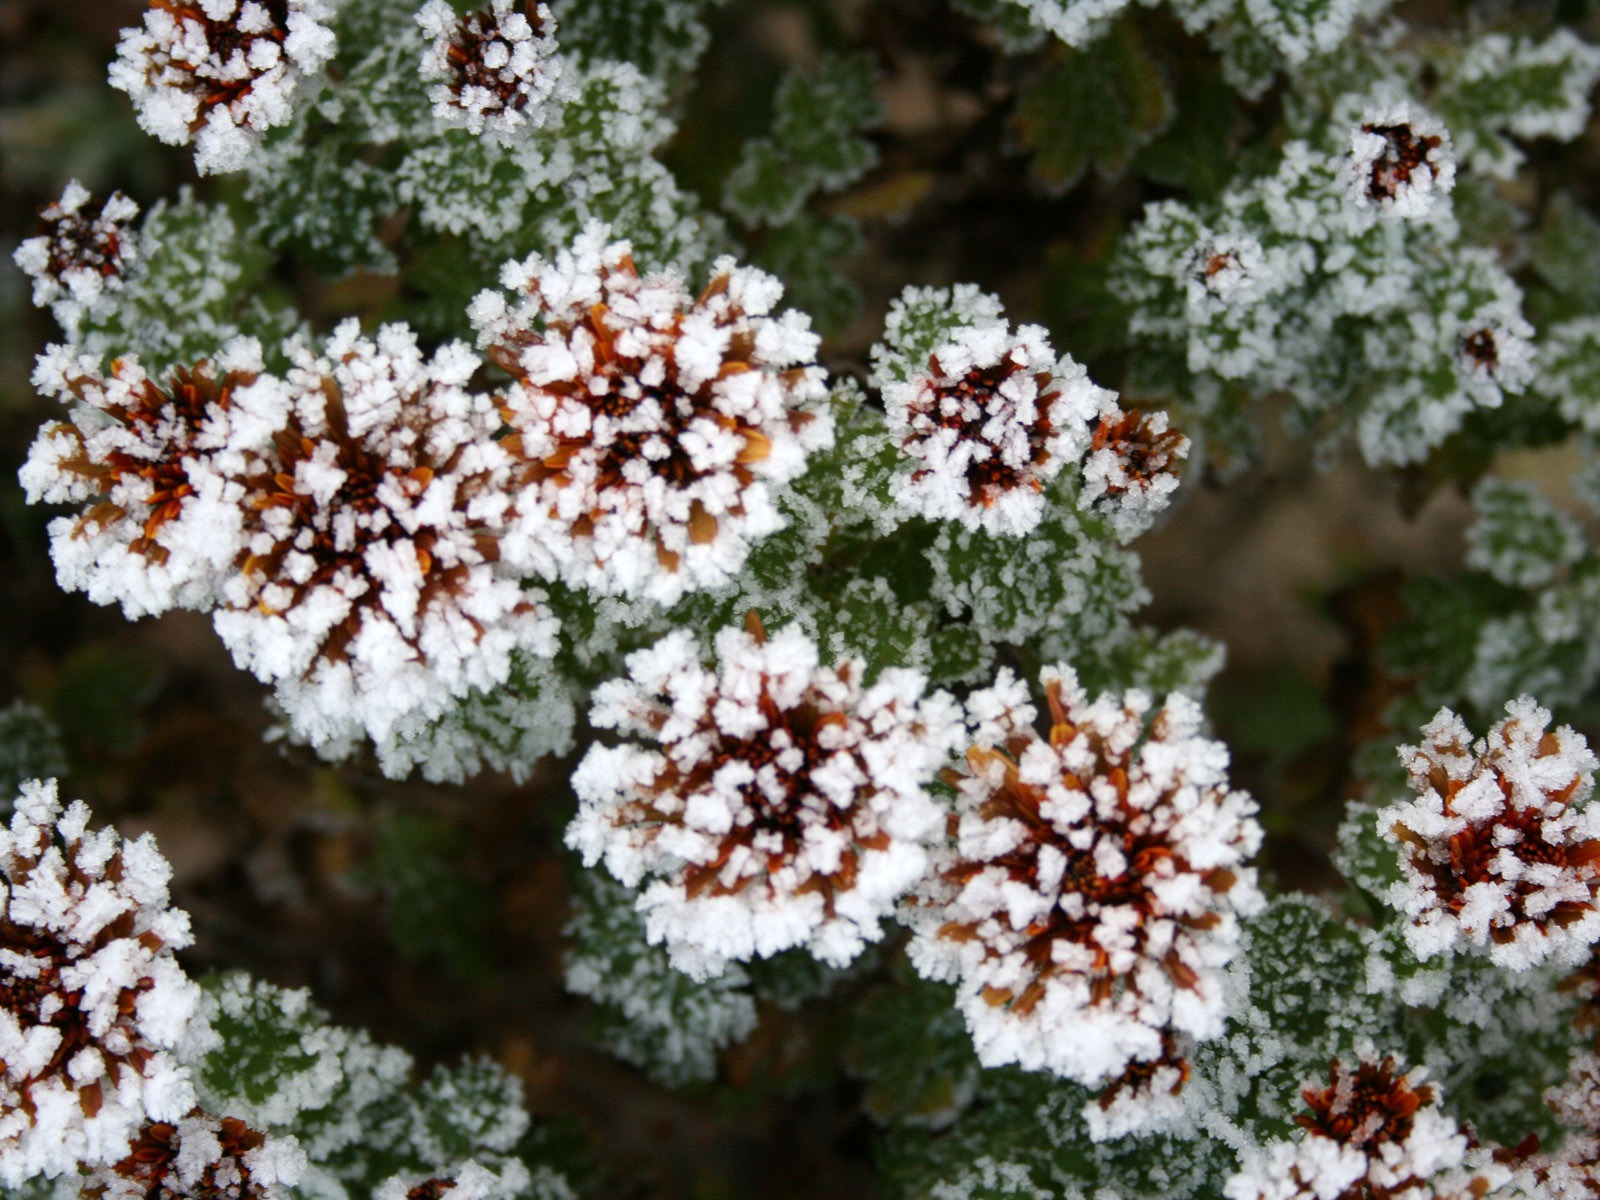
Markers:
{"x": 1088, "y": 897}
{"x": 1144, "y": 1097}
{"x": 650, "y": 424}
{"x": 1226, "y": 269}
{"x": 369, "y": 590}
{"x": 157, "y": 529}
{"x": 1130, "y": 472}
{"x": 219, "y": 73}
{"x": 1500, "y": 851}
{"x": 991, "y": 421}
{"x": 1371, "y": 1134}
{"x": 1574, "y": 1168}
{"x": 468, "y": 1180}
{"x": 497, "y": 69}
{"x": 1496, "y": 355}
{"x": 95, "y": 1013}
{"x": 1400, "y": 165}
{"x": 200, "y": 1158}
{"x": 786, "y": 804}
{"x": 74, "y": 258}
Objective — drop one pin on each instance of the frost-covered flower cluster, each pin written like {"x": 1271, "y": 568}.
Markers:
{"x": 787, "y": 803}
{"x": 220, "y": 73}
{"x": 200, "y": 1157}
{"x": 1089, "y": 896}
{"x": 496, "y": 69}
{"x": 651, "y": 425}
{"x": 95, "y": 1013}
{"x": 1400, "y": 163}
{"x": 1372, "y": 1133}
{"x": 76, "y": 256}
{"x": 993, "y": 418}
{"x": 1130, "y": 471}
{"x": 1500, "y": 851}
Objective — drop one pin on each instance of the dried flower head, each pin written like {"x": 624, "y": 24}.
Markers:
{"x": 1130, "y": 472}
{"x": 369, "y": 589}
{"x": 992, "y": 420}
{"x": 74, "y": 257}
{"x": 650, "y": 424}
{"x": 786, "y": 805}
{"x": 1496, "y": 354}
{"x": 1371, "y": 1134}
{"x": 468, "y": 1180}
{"x": 220, "y": 73}
{"x": 497, "y": 68}
{"x": 95, "y": 1012}
{"x": 1499, "y": 851}
{"x": 157, "y": 529}
{"x": 1400, "y": 164}
{"x": 1088, "y": 898}
{"x": 200, "y": 1158}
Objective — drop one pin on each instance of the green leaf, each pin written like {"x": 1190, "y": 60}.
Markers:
{"x": 1092, "y": 108}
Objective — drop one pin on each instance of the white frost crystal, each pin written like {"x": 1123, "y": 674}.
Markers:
{"x": 651, "y": 425}
{"x": 219, "y": 73}
{"x": 201, "y": 1157}
{"x": 786, "y": 805}
{"x": 1500, "y": 851}
{"x": 371, "y": 594}
{"x": 991, "y": 420}
{"x": 1088, "y": 898}
{"x": 1400, "y": 164}
{"x": 77, "y": 258}
{"x": 95, "y": 1013}
{"x": 496, "y": 69}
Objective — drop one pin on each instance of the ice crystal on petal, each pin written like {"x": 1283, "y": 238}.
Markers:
{"x": 1130, "y": 472}
{"x": 219, "y": 73}
{"x": 1400, "y": 164}
{"x": 1089, "y": 895}
{"x": 992, "y": 420}
{"x": 786, "y": 806}
{"x": 75, "y": 258}
{"x": 497, "y": 68}
{"x": 1371, "y": 1134}
{"x": 650, "y": 424}
{"x": 370, "y": 591}
{"x": 200, "y": 1157}
{"x": 95, "y": 1012}
{"x": 158, "y": 530}
{"x": 1500, "y": 851}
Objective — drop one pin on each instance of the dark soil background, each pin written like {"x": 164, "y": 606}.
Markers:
{"x": 1294, "y": 569}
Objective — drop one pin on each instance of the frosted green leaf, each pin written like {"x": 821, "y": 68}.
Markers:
{"x": 1569, "y": 368}
{"x": 910, "y": 1045}
{"x": 1566, "y": 246}
{"x": 30, "y": 748}
{"x": 664, "y": 38}
{"x": 1092, "y": 108}
{"x": 805, "y": 253}
{"x": 647, "y": 1013}
{"x": 921, "y": 319}
{"x": 1520, "y": 538}
{"x": 1504, "y": 87}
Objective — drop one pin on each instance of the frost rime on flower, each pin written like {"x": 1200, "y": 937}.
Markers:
{"x": 200, "y": 1158}
{"x": 1130, "y": 472}
{"x": 497, "y": 67}
{"x": 651, "y": 424}
{"x": 95, "y": 1012}
{"x": 1400, "y": 162}
{"x": 75, "y": 258}
{"x": 1499, "y": 851}
{"x": 1371, "y": 1134}
{"x": 1088, "y": 898}
{"x": 370, "y": 592}
{"x": 786, "y": 806}
{"x": 220, "y": 73}
{"x": 989, "y": 423}
{"x": 157, "y": 531}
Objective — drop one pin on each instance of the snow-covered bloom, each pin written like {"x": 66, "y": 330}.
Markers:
{"x": 1144, "y": 1097}
{"x": 157, "y": 529}
{"x": 991, "y": 421}
{"x": 1089, "y": 896}
{"x": 1500, "y": 850}
{"x": 95, "y": 1013}
{"x": 219, "y": 73}
{"x": 369, "y": 591}
{"x": 1130, "y": 472}
{"x": 786, "y": 805}
{"x": 1371, "y": 1134}
{"x": 75, "y": 257}
{"x": 467, "y": 1180}
{"x": 497, "y": 68}
{"x": 1572, "y": 1172}
{"x": 1400, "y": 163}
{"x": 200, "y": 1157}
{"x": 651, "y": 424}
{"x": 1496, "y": 353}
